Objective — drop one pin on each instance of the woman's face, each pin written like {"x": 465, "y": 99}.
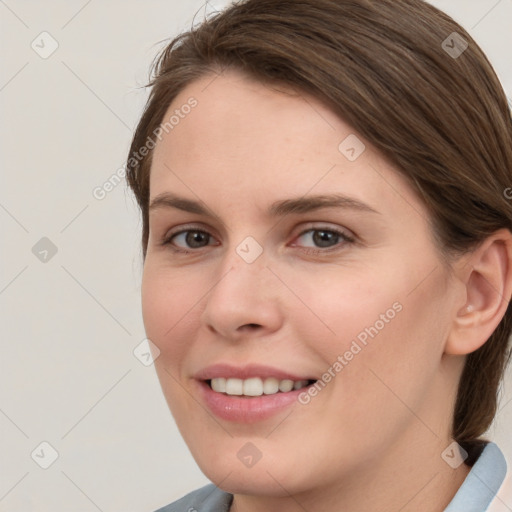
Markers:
{"x": 307, "y": 258}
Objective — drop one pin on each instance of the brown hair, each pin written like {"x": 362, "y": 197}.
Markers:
{"x": 387, "y": 69}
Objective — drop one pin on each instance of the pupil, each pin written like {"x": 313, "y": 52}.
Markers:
{"x": 195, "y": 236}
{"x": 322, "y": 238}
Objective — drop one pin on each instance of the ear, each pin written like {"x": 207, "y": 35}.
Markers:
{"x": 487, "y": 278}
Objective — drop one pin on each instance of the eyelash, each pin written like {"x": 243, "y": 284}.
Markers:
{"x": 346, "y": 239}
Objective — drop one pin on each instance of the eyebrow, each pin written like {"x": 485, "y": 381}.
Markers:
{"x": 279, "y": 208}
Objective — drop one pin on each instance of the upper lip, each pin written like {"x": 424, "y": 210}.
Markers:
{"x": 227, "y": 371}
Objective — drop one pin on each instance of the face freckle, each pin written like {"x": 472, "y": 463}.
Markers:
{"x": 372, "y": 315}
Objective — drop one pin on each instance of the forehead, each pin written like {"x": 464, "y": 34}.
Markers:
{"x": 250, "y": 142}
{"x": 232, "y": 104}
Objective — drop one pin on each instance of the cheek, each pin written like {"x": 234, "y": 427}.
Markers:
{"x": 379, "y": 321}
{"x": 168, "y": 312}
{"x": 401, "y": 356}
{"x": 349, "y": 304}
{"x": 168, "y": 301}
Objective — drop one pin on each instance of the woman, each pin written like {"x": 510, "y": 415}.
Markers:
{"x": 328, "y": 255}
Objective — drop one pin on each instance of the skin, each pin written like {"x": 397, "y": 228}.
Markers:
{"x": 372, "y": 439}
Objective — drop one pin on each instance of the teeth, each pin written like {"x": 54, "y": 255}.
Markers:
{"x": 270, "y": 386}
{"x": 255, "y": 386}
{"x": 219, "y": 385}
{"x": 234, "y": 386}
{"x": 286, "y": 385}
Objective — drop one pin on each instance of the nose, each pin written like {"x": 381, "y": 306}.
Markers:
{"x": 244, "y": 300}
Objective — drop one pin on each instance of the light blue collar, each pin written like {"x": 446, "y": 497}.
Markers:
{"x": 482, "y": 483}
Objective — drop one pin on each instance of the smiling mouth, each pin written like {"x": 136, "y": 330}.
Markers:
{"x": 256, "y": 386}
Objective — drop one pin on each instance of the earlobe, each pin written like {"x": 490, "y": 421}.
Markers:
{"x": 488, "y": 287}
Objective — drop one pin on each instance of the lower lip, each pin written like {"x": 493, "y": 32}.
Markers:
{"x": 247, "y": 409}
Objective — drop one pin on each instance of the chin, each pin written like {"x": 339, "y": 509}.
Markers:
{"x": 268, "y": 477}
{"x": 251, "y": 482}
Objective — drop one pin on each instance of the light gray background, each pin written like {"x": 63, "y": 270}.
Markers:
{"x": 69, "y": 326}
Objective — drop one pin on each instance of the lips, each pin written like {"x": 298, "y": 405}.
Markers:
{"x": 227, "y": 371}
{"x": 240, "y": 396}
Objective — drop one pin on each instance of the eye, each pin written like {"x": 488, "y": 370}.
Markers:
{"x": 325, "y": 239}
{"x": 189, "y": 238}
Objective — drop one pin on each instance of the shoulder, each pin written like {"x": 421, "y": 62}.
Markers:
{"x": 206, "y": 499}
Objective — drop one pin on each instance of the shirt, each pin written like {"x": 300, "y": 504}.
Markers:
{"x": 487, "y": 488}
